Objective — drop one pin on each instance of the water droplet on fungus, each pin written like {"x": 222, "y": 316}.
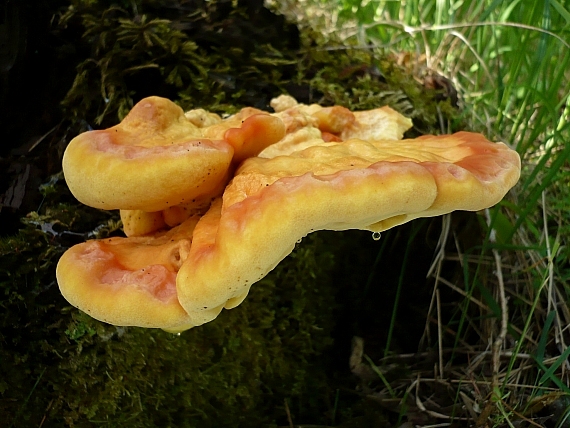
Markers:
{"x": 376, "y": 236}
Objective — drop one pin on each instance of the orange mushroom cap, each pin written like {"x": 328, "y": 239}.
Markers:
{"x": 157, "y": 157}
{"x": 309, "y": 124}
{"x": 273, "y": 202}
{"x": 128, "y": 281}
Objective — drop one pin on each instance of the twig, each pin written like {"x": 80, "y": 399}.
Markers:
{"x": 490, "y": 383}
{"x": 469, "y": 405}
{"x": 498, "y": 343}
{"x": 464, "y": 294}
{"x": 438, "y": 415}
{"x": 436, "y": 266}
{"x": 40, "y": 139}
{"x": 439, "y": 334}
{"x": 46, "y": 414}
{"x": 440, "y": 248}
{"x": 552, "y": 291}
{"x": 551, "y": 294}
{"x": 426, "y": 336}
{"x": 289, "y": 418}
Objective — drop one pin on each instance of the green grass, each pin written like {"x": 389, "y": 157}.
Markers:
{"x": 510, "y": 63}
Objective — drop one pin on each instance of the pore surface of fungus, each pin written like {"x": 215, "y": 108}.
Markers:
{"x": 186, "y": 276}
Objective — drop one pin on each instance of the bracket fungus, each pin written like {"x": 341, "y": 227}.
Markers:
{"x": 158, "y": 157}
{"x": 276, "y": 178}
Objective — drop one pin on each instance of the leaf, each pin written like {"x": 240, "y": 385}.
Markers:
{"x": 561, "y": 10}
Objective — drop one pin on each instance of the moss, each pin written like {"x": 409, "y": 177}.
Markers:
{"x": 133, "y": 50}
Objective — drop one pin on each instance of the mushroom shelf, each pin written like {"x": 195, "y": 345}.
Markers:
{"x": 211, "y": 205}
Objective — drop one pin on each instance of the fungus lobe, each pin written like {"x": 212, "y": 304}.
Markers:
{"x": 282, "y": 176}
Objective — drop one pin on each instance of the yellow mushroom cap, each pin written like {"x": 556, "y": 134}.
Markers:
{"x": 128, "y": 281}
{"x": 154, "y": 159}
{"x": 308, "y": 125}
{"x": 184, "y": 277}
{"x": 272, "y": 203}
{"x": 157, "y": 157}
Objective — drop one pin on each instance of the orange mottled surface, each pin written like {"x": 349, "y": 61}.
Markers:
{"x": 278, "y": 177}
{"x": 255, "y": 134}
